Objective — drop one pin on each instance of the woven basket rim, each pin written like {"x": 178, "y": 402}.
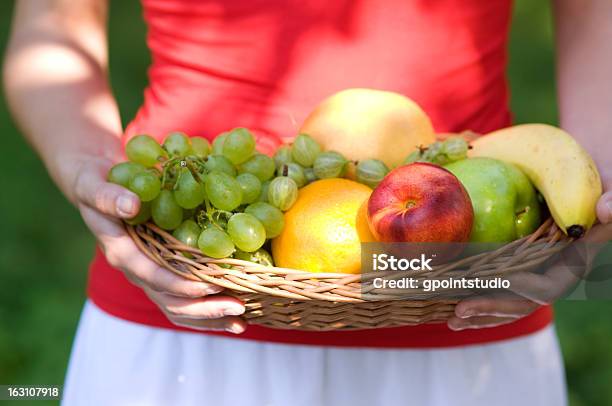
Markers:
{"x": 245, "y": 276}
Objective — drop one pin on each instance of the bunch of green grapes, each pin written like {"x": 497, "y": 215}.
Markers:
{"x": 305, "y": 162}
{"x": 222, "y": 198}
{"x": 452, "y": 149}
{"x": 226, "y": 199}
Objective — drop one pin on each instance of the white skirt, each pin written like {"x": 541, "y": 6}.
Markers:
{"x": 119, "y": 363}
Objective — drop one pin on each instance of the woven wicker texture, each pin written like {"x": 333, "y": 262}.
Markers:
{"x": 292, "y": 299}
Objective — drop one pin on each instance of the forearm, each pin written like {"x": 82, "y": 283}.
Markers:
{"x": 56, "y": 85}
{"x": 584, "y": 75}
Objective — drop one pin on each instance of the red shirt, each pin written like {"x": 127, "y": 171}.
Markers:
{"x": 265, "y": 64}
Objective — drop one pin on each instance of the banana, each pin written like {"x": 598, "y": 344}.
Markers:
{"x": 556, "y": 164}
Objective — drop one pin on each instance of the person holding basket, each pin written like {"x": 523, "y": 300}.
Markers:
{"x": 148, "y": 336}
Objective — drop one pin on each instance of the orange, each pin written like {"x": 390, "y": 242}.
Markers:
{"x": 363, "y": 228}
{"x": 321, "y": 229}
{"x": 369, "y": 123}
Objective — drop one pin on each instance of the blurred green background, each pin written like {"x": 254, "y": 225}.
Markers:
{"x": 45, "y": 248}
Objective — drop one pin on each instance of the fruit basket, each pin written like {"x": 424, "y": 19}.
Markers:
{"x": 226, "y": 213}
{"x": 292, "y": 299}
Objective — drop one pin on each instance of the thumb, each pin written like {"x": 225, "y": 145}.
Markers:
{"x": 604, "y": 208}
{"x": 93, "y": 190}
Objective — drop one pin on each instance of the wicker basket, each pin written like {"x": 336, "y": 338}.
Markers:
{"x": 291, "y": 299}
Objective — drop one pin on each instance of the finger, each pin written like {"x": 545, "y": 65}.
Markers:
{"x": 515, "y": 307}
{"x": 543, "y": 288}
{"x": 203, "y": 308}
{"x": 231, "y": 324}
{"x": 93, "y": 190}
{"x": 572, "y": 265}
{"x": 122, "y": 253}
{"x": 604, "y": 208}
{"x": 457, "y": 324}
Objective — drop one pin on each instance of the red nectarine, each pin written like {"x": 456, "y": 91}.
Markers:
{"x": 420, "y": 202}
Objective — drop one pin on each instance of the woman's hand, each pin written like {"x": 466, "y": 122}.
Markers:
{"x": 186, "y": 303}
{"x": 56, "y": 85}
{"x": 57, "y": 88}
{"x": 534, "y": 289}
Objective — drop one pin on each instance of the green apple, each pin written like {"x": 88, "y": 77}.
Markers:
{"x": 504, "y": 200}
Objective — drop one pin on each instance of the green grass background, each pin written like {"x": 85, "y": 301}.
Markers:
{"x": 45, "y": 248}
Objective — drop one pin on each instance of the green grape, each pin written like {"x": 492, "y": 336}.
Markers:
{"x": 244, "y": 256}
{"x": 143, "y": 149}
{"x": 251, "y": 187}
{"x": 371, "y": 171}
{"x": 166, "y": 212}
{"x": 177, "y": 144}
{"x": 219, "y": 163}
{"x": 282, "y": 192}
{"x": 272, "y": 218}
{"x": 121, "y": 173}
{"x": 215, "y": 243}
{"x": 261, "y": 256}
{"x": 200, "y": 147}
{"x": 432, "y": 151}
{"x": 223, "y": 191}
{"x": 259, "y": 165}
{"x": 263, "y": 195}
{"x": 146, "y": 185}
{"x": 295, "y": 172}
{"x": 188, "y": 233}
{"x": 435, "y": 154}
{"x": 440, "y": 159}
{"x": 415, "y": 156}
{"x": 246, "y": 232}
{"x": 455, "y": 148}
{"x": 309, "y": 173}
{"x": 217, "y": 145}
{"x": 188, "y": 192}
{"x": 305, "y": 150}
{"x": 283, "y": 156}
{"x": 239, "y": 145}
{"x": 144, "y": 214}
{"x": 330, "y": 164}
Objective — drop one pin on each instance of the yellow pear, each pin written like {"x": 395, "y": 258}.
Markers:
{"x": 367, "y": 123}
